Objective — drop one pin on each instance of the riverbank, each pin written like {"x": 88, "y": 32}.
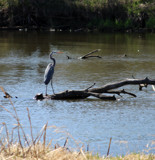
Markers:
{"x": 24, "y": 29}
{"x": 85, "y": 15}
{"x": 44, "y": 152}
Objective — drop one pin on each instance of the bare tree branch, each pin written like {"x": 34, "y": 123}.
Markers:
{"x": 98, "y": 92}
{"x": 115, "y": 85}
{"x": 88, "y": 54}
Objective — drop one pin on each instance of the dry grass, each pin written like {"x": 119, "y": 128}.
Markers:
{"x": 35, "y": 149}
{"x": 39, "y": 152}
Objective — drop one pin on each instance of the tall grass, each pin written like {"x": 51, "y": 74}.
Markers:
{"x": 22, "y": 147}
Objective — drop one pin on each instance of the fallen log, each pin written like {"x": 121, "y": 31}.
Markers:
{"x": 115, "y": 85}
{"x": 97, "y": 92}
{"x": 118, "y": 92}
{"x": 141, "y": 86}
{"x": 88, "y": 55}
{"x": 72, "y": 94}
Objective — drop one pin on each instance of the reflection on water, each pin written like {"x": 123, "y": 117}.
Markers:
{"x": 129, "y": 121}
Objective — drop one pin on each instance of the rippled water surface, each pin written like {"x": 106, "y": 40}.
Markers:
{"x": 129, "y": 121}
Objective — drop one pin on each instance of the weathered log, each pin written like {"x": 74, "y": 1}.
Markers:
{"x": 39, "y": 96}
{"x": 118, "y": 92}
{"x": 70, "y": 94}
{"x": 101, "y": 96}
{"x": 141, "y": 86}
{"x": 98, "y": 92}
{"x": 88, "y": 54}
{"x": 73, "y": 94}
{"x": 91, "y": 57}
{"x": 115, "y": 85}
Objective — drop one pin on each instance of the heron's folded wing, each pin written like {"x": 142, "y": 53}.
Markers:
{"x": 49, "y": 71}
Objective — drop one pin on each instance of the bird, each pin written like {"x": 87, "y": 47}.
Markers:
{"x": 49, "y": 71}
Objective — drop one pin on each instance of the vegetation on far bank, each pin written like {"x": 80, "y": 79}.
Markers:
{"x": 101, "y": 15}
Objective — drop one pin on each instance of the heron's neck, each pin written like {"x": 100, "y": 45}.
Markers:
{"x": 54, "y": 61}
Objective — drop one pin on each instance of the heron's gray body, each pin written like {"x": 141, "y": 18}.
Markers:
{"x": 48, "y": 73}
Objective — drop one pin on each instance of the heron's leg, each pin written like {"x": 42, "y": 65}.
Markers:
{"x": 46, "y": 90}
{"x": 52, "y": 86}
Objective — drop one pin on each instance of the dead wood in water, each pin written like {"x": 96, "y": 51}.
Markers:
{"x": 115, "y": 85}
{"x": 98, "y": 92}
{"x": 74, "y": 94}
{"x": 109, "y": 147}
{"x": 88, "y": 55}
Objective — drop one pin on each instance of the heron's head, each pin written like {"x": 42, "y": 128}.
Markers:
{"x": 54, "y": 52}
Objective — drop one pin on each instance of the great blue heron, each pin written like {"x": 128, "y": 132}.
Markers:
{"x": 49, "y": 71}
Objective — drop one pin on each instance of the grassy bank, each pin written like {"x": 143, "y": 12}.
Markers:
{"x": 41, "y": 153}
{"x": 99, "y": 15}
{"x": 16, "y": 144}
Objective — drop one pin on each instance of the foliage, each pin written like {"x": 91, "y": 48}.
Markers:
{"x": 146, "y": 1}
{"x": 119, "y": 24}
{"x": 151, "y": 23}
{"x": 75, "y": 14}
{"x": 108, "y": 24}
{"x": 3, "y": 4}
{"x": 128, "y": 24}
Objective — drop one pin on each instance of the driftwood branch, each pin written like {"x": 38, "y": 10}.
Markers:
{"x": 72, "y": 94}
{"x": 118, "y": 92}
{"x": 88, "y": 55}
{"x": 115, "y": 85}
{"x": 90, "y": 87}
{"x": 98, "y": 92}
{"x": 141, "y": 86}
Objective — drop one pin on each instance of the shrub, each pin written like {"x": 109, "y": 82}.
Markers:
{"x": 109, "y": 24}
{"x": 119, "y": 24}
{"x": 128, "y": 24}
{"x": 151, "y": 23}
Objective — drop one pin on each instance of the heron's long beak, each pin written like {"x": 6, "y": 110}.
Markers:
{"x": 59, "y": 52}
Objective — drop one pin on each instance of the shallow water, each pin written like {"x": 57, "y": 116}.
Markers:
{"x": 129, "y": 121}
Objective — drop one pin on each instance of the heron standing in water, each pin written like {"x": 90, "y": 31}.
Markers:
{"x": 49, "y": 71}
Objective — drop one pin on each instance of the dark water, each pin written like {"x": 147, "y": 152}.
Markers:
{"x": 129, "y": 121}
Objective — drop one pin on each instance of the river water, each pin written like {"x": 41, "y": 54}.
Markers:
{"x": 129, "y": 121}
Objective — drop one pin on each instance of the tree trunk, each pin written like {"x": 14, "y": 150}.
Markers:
{"x": 98, "y": 92}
